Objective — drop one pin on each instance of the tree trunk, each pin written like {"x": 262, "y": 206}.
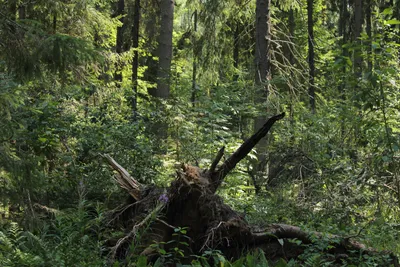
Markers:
{"x": 396, "y": 15}
{"x": 135, "y": 60}
{"x": 357, "y": 34}
{"x": 165, "y": 48}
{"x": 262, "y": 46}
{"x": 291, "y": 61}
{"x": 311, "y": 63}
{"x": 22, "y": 11}
{"x": 194, "y": 71}
{"x": 343, "y": 33}
{"x": 120, "y": 40}
{"x": 12, "y": 12}
{"x": 236, "y": 48}
{"x": 368, "y": 19}
{"x": 262, "y": 78}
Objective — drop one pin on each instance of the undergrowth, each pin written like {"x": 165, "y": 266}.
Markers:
{"x": 75, "y": 238}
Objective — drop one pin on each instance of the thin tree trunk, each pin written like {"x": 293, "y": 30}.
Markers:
{"x": 120, "y": 39}
{"x": 165, "y": 48}
{"x": 291, "y": 61}
{"x": 21, "y": 12}
{"x": 151, "y": 25}
{"x": 343, "y": 34}
{"x": 311, "y": 63}
{"x": 55, "y": 22}
{"x": 236, "y": 48}
{"x": 396, "y": 15}
{"x": 12, "y": 10}
{"x": 357, "y": 34}
{"x": 358, "y": 20}
{"x": 194, "y": 73}
{"x": 135, "y": 60}
{"x": 262, "y": 46}
{"x": 368, "y": 19}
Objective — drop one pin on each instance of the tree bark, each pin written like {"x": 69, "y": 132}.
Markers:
{"x": 357, "y": 34}
{"x": 120, "y": 40}
{"x": 343, "y": 33}
{"x": 262, "y": 78}
{"x": 311, "y": 62}
{"x": 22, "y": 11}
{"x": 262, "y": 46}
{"x": 165, "y": 48}
{"x": 135, "y": 60}
{"x": 291, "y": 47}
{"x": 194, "y": 71}
{"x": 236, "y": 48}
{"x": 368, "y": 19}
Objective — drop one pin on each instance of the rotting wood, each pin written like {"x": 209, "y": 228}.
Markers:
{"x": 124, "y": 179}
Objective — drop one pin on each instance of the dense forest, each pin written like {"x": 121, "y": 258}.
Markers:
{"x": 199, "y": 132}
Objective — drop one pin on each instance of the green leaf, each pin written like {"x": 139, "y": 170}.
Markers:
{"x": 238, "y": 263}
{"x": 281, "y": 263}
{"x": 42, "y": 139}
{"x": 387, "y": 11}
{"x": 392, "y": 22}
{"x": 142, "y": 261}
{"x": 250, "y": 260}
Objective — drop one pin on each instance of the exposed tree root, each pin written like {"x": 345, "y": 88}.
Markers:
{"x": 191, "y": 202}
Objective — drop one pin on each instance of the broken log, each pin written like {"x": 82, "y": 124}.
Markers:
{"x": 124, "y": 179}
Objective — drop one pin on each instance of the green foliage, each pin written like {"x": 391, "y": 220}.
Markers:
{"x": 334, "y": 171}
{"x": 13, "y": 251}
{"x": 64, "y": 240}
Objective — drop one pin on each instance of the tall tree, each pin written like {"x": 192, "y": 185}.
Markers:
{"x": 344, "y": 53}
{"x": 120, "y": 38}
{"x": 165, "y": 48}
{"x": 358, "y": 19}
{"x": 135, "y": 60}
{"x": 263, "y": 64}
{"x": 368, "y": 19}
{"x": 262, "y": 77}
{"x": 194, "y": 71}
{"x": 236, "y": 47}
{"x": 311, "y": 63}
{"x": 291, "y": 56}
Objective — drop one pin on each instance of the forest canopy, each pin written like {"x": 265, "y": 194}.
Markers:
{"x": 205, "y": 133}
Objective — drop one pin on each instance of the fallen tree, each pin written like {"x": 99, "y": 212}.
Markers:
{"x": 154, "y": 215}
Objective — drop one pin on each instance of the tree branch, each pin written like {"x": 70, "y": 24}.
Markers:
{"x": 216, "y": 160}
{"x": 242, "y": 152}
{"x": 124, "y": 179}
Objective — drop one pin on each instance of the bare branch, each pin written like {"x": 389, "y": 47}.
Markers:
{"x": 124, "y": 179}
{"x": 242, "y": 152}
{"x": 216, "y": 160}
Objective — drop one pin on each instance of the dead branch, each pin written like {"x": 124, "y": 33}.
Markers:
{"x": 216, "y": 160}
{"x": 242, "y": 152}
{"x": 124, "y": 179}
